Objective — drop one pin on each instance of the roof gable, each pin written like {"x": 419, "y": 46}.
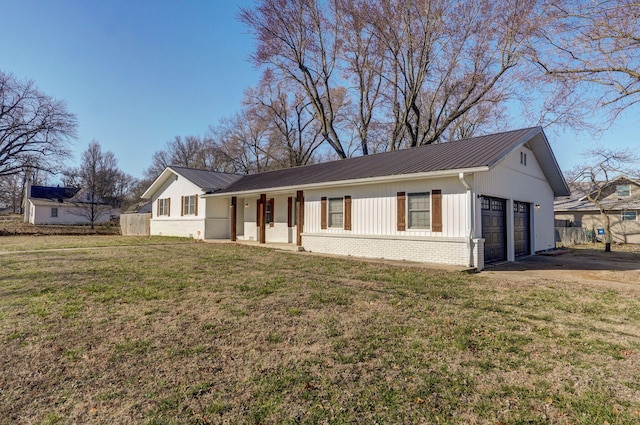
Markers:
{"x": 207, "y": 181}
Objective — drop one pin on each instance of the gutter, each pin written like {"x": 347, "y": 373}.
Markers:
{"x": 471, "y": 217}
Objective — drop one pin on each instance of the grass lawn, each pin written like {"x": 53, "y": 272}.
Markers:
{"x": 166, "y": 332}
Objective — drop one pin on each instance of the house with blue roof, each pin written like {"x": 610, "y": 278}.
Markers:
{"x": 63, "y": 205}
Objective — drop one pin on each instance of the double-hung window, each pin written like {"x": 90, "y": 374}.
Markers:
{"x": 336, "y": 212}
{"x": 54, "y": 212}
{"x": 189, "y": 205}
{"x": 419, "y": 210}
{"x": 163, "y": 206}
{"x": 629, "y": 216}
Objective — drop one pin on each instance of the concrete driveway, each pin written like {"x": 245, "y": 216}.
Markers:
{"x": 614, "y": 269}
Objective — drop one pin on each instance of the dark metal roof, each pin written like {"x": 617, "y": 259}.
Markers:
{"x": 209, "y": 181}
{"x": 483, "y": 151}
{"x": 54, "y": 193}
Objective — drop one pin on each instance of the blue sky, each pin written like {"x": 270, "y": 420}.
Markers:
{"x": 139, "y": 72}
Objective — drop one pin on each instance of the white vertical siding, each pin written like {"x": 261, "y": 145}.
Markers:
{"x": 374, "y": 208}
{"x": 175, "y": 224}
{"x": 514, "y": 181}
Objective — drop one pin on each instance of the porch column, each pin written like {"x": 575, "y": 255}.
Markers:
{"x": 262, "y": 219}
{"x": 300, "y": 217}
{"x": 234, "y": 218}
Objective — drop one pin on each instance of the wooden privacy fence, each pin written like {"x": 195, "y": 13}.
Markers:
{"x": 573, "y": 235}
{"x": 136, "y": 224}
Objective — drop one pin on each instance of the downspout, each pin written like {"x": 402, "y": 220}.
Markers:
{"x": 471, "y": 217}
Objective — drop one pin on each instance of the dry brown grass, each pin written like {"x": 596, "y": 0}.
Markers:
{"x": 196, "y": 333}
{"x": 14, "y": 226}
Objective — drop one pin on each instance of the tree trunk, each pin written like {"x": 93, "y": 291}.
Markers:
{"x": 607, "y": 233}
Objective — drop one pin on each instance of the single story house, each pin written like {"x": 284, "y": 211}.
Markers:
{"x": 469, "y": 202}
{"x": 61, "y": 205}
{"x": 621, "y": 199}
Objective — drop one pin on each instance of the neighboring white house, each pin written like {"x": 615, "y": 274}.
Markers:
{"x": 621, "y": 200}
{"x": 61, "y": 205}
{"x": 470, "y": 202}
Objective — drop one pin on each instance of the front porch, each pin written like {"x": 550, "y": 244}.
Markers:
{"x": 267, "y": 218}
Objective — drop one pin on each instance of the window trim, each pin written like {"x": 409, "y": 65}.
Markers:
{"x": 627, "y": 192}
{"x": 163, "y": 207}
{"x": 330, "y": 214}
{"x": 410, "y": 225}
{"x": 624, "y": 213}
{"x": 189, "y": 208}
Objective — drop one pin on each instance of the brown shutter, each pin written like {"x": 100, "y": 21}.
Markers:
{"x": 182, "y": 206}
{"x": 158, "y": 209}
{"x": 436, "y": 210}
{"x": 196, "y": 204}
{"x": 258, "y": 212}
{"x": 323, "y": 212}
{"x": 168, "y": 206}
{"x": 402, "y": 215}
{"x": 290, "y": 211}
{"x": 273, "y": 212}
{"x": 263, "y": 215}
{"x": 347, "y": 213}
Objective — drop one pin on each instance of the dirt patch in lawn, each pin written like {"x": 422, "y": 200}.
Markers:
{"x": 14, "y": 226}
{"x": 584, "y": 264}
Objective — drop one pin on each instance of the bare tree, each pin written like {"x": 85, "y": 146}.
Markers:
{"x": 35, "y": 129}
{"x": 11, "y": 192}
{"x": 363, "y": 66}
{"x": 603, "y": 166}
{"x": 103, "y": 185}
{"x": 594, "y": 43}
{"x": 190, "y": 151}
{"x": 244, "y": 145}
{"x": 447, "y": 58}
{"x": 411, "y": 67}
{"x": 300, "y": 39}
{"x": 289, "y": 117}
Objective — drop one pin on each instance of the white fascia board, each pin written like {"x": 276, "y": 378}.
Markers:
{"x": 354, "y": 182}
{"x": 163, "y": 177}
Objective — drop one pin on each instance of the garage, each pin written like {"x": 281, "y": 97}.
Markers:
{"x": 494, "y": 229}
{"x": 521, "y": 228}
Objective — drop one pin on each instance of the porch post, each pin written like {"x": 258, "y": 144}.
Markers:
{"x": 300, "y": 217}
{"x": 263, "y": 217}
{"x": 234, "y": 219}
